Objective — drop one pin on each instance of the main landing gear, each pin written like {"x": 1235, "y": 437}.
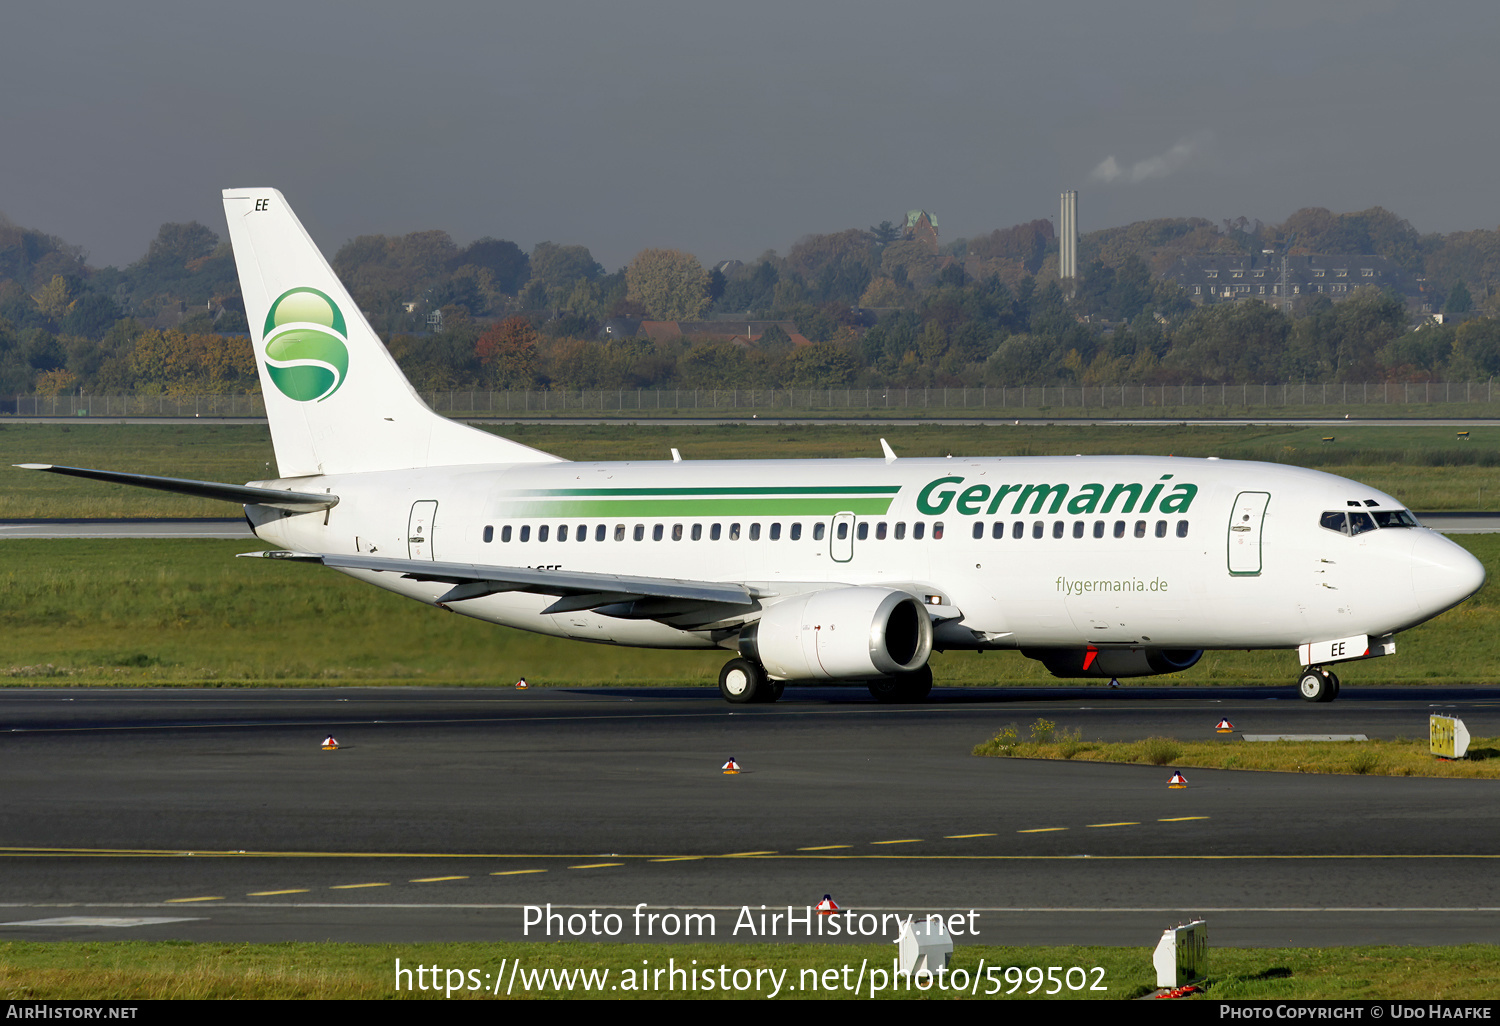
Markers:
{"x": 1317, "y": 685}
{"x": 743, "y": 682}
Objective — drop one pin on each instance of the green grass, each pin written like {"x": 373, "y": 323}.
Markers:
{"x": 189, "y": 613}
{"x": 138, "y": 970}
{"x": 1399, "y": 757}
{"x": 1426, "y": 467}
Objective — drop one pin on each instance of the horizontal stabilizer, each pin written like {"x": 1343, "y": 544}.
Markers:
{"x": 245, "y": 495}
{"x": 473, "y": 580}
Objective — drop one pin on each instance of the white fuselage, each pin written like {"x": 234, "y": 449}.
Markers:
{"x": 1104, "y": 551}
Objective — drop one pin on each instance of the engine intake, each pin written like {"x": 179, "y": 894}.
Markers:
{"x": 1114, "y": 662}
{"x": 841, "y": 633}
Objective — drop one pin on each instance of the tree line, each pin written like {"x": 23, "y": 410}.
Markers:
{"x": 876, "y": 307}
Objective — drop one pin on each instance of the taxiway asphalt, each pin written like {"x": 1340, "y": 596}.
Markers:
{"x": 446, "y": 812}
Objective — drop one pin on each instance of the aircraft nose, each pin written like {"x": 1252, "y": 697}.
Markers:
{"x": 1442, "y": 573}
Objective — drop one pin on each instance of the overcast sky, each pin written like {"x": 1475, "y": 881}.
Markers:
{"x": 730, "y": 129}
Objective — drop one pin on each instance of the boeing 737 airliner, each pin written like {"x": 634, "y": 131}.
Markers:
{"x": 807, "y": 570}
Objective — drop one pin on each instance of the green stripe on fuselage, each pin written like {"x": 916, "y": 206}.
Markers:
{"x": 690, "y": 506}
{"x": 685, "y": 493}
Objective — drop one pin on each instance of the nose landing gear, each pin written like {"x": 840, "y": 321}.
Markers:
{"x": 1317, "y": 685}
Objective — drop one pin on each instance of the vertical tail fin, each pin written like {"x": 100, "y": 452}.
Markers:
{"x": 336, "y": 400}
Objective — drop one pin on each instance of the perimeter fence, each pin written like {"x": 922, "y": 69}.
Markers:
{"x": 1286, "y": 399}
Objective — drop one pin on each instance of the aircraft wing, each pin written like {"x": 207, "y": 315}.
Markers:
{"x": 245, "y": 495}
{"x": 612, "y": 594}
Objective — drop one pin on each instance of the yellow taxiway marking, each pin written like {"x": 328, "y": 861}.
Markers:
{"x": 268, "y": 894}
{"x": 679, "y": 858}
{"x": 742, "y": 854}
{"x": 597, "y": 865}
{"x": 351, "y": 887}
{"x": 517, "y": 872}
{"x": 1180, "y": 819}
{"x": 178, "y": 901}
{"x": 1093, "y": 825}
{"x": 956, "y": 837}
{"x": 904, "y": 840}
{"x": 826, "y": 847}
{"x": 1040, "y": 830}
{"x": 436, "y": 879}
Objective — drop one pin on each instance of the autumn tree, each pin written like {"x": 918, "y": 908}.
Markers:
{"x": 670, "y": 284}
{"x": 507, "y": 353}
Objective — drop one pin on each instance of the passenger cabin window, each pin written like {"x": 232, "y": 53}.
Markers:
{"x": 900, "y": 529}
{"x": 714, "y": 532}
{"x": 978, "y": 529}
{"x": 697, "y": 532}
{"x": 937, "y": 530}
{"x": 489, "y": 533}
{"x": 998, "y": 531}
{"x": 796, "y": 534}
{"x": 755, "y": 532}
{"x": 582, "y": 534}
{"x": 1182, "y": 528}
{"x": 918, "y": 529}
{"x": 880, "y": 531}
{"x": 656, "y": 532}
{"x": 862, "y": 531}
{"x": 541, "y": 533}
{"x": 599, "y": 533}
{"x": 505, "y": 533}
{"x": 619, "y": 532}
{"x": 734, "y": 532}
{"x": 562, "y": 532}
{"x": 677, "y": 532}
{"x": 640, "y": 532}
{"x": 1018, "y": 530}
{"x": 526, "y": 533}
{"x": 818, "y": 530}
{"x": 1098, "y": 529}
{"x": 776, "y": 532}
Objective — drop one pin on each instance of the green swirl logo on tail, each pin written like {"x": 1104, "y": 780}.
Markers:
{"x": 307, "y": 352}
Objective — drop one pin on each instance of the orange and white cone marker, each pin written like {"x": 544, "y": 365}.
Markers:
{"x": 731, "y": 766}
{"x": 521, "y": 684}
{"x": 330, "y": 744}
{"x": 1178, "y": 780}
{"x": 1225, "y": 727}
{"x": 827, "y": 906}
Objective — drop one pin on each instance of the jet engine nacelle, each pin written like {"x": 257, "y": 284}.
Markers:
{"x": 1114, "y": 662}
{"x": 841, "y": 633}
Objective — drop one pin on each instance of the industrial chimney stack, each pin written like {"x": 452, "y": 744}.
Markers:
{"x": 1067, "y": 237}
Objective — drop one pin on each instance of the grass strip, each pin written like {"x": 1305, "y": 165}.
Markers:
{"x": 1399, "y": 757}
{"x": 1426, "y": 467}
{"x": 167, "y": 970}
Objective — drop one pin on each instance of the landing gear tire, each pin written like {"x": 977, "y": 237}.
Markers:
{"x": 906, "y": 687}
{"x": 743, "y": 682}
{"x": 1317, "y": 685}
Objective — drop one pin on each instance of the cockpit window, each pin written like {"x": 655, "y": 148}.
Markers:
{"x": 1352, "y": 522}
{"x": 1335, "y": 521}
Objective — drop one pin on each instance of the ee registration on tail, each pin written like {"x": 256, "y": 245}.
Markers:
{"x": 804, "y": 570}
